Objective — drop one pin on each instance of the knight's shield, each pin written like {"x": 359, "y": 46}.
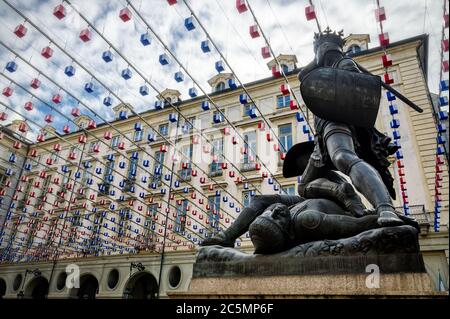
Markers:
{"x": 342, "y": 96}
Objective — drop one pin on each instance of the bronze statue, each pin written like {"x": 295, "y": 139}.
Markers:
{"x": 344, "y": 99}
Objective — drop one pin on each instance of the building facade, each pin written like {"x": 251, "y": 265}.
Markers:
{"x": 126, "y": 203}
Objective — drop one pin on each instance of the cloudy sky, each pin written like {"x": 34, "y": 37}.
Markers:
{"x": 283, "y": 21}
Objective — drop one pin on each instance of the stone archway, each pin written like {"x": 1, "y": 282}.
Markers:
{"x": 2, "y": 288}
{"x": 142, "y": 285}
{"x": 37, "y": 288}
{"x": 88, "y": 288}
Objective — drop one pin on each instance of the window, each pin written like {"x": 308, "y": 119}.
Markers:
{"x": 3, "y": 178}
{"x": 285, "y": 68}
{"x": 86, "y": 173}
{"x": 220, "y": 86}
{"x": 246, "y": 198}
{"x": 283, "y": 101}
{"x": 83, "y": 124}
{"x": 213, "y": 212}
{"x": 285, "y": 136}
{"x": 66, "y": 177}
{"x": 288, "y": 190}
{"x": 181, "y": 216}
{"x": 247, "y": 108}
{"x": 217, "y": 151}
{"x": 189, "y": 124}
{"x": 187, "y": 151}
{"x": 354, "y": 48}
{"x": 108, "y": 171}
{"x": 250, "y": 145}
{"x": 163, "y": 129}
{"x": 55, "y": 157}
{"x": 115, "y": 141}
{"x": 159, "y": 161}
{"x": 91, "y": 147}
{"x": 138, "y": 135}
{"x": 132, "y": 168}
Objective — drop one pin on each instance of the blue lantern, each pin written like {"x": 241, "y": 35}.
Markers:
{"x": 205, "y": 105}
{"x": 205, "y": 46}
{"x": 219, "y": 66}
{"x": 192, "y": 92}
{"x": 217, "y": 118}
{"x": 137, "y": 126}
{"x": 395, "y": 123}
{"x": 179, "y": 76}
{"x": 158, "y": 105}
{"x": 107, "y": 56}
{"x": 164, "y": 59}
{"x": 393, "y": 109}
{"x": 146, "y": 39}
{"x": 299, "y": 117}
{"x": 151, "y": 137}
{"x": 69, "y": 70}
{"x": 123, "y": 115}
{"x": 146, "y": 163}
{"x": 390, "y": 96}
{"x": 243, "y": 98}
{"x": 107, "y": 101}
{"x": 173, "y": 117}
{"x": 143, "y": 90}
{"x": 126, "y": 74}
{"x": 232, "y": 84}
{"x": 443, "y": 85}
{"x": 11, "y": 66}
{"x": 252, "y": 113}
{"x": 189, "y": 23}
{"x": 89, "y": 87}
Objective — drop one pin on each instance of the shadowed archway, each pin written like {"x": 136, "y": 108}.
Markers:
{"x": 141, "y": 285}
{"x": 88, "y": 288}
{"x": 2, "y": 288}
{"x": 37, "y": 288}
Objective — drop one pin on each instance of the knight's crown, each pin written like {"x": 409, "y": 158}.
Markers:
{"x": 328, "y": 36}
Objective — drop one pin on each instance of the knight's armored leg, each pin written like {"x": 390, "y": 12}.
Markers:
{"x": 365, "y": 178}
{"x": 314, "y": 225}
{"x": 257, "y": 206}
{"x": 320, "y": 182}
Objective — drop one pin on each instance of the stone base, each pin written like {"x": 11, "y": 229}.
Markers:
{"x": 398, "y": 285}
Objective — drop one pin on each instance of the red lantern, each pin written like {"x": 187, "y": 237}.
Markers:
{"x": 171, "y": 2}
{"x": 47, "y": 52}
{"x": 40, "y": 138}
{"x": 48, "y": 118}
{"x": 234, "y": 140}
{"x": 57, "y": 98}
{"x": 224, "y": 165}
{"x": 310, "y": 13}
{"x": 202, "y": 180}
{"x": 388, "y": 78}
{"x": 293, "y": 105}
{"x": 28, "y": 106}
{"x": 66, "y": 129}
{"x": 75, "y": 112}
{"x": 82, "y": 139}
{"x": 17, "y": 145}
{"x": 92, "y": 124}
{"x": 284, "y": 89}
{"x": 254, "y": 32}
{"x": 107, "y": 135}
{"x": 238, "y": 180}
{"x": 241, "y": 6}
{"x": 8, "y": 91}
{"x": 282, "y": 156}
{"x": 20, "y": 30}
{"x": 49, "y": 161}
{"x": 380, "y": 14}
{"x": 195, "y": 139}
{"x": 35, "y": 83}
{"x": 276, "y": 147}
{"x": 163, "y": 148}
{"x": 231, "y": 174}
{"x": 23, "y": 127}
{"x": 194, "y": 172}
{"x": 275, "y": 71}
{"x": 384, "y": 39}
{"x": 261, "y": 126}
{"x": 57, "y": 147}
{"x": 59, "y": 11}
{"x": 3, "y": 116}
{"x": 85, "y": 35}
{"x": 121, "y": 146}
{"x": 96, "y": 148}
{"x": 125, "y": 14}
{"x": 33, "y": 153}
{"x": 226, "y": 131}
{"x": 386, "y": 59}
{"x": 265, "y": 52}
{"x": 269, "y": 137}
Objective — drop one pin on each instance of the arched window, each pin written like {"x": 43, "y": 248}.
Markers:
{"x": 220, "y": 86}
{"x": 354, "y": 48}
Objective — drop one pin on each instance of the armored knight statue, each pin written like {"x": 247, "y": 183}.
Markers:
{"x": 344, "y": 98}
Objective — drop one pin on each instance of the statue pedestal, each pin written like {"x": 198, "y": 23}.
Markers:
{"x": 400, "y": 275}
{"x": 401, "y": 285}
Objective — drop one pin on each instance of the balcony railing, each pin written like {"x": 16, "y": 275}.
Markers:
{"x": 245, "y": 167}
